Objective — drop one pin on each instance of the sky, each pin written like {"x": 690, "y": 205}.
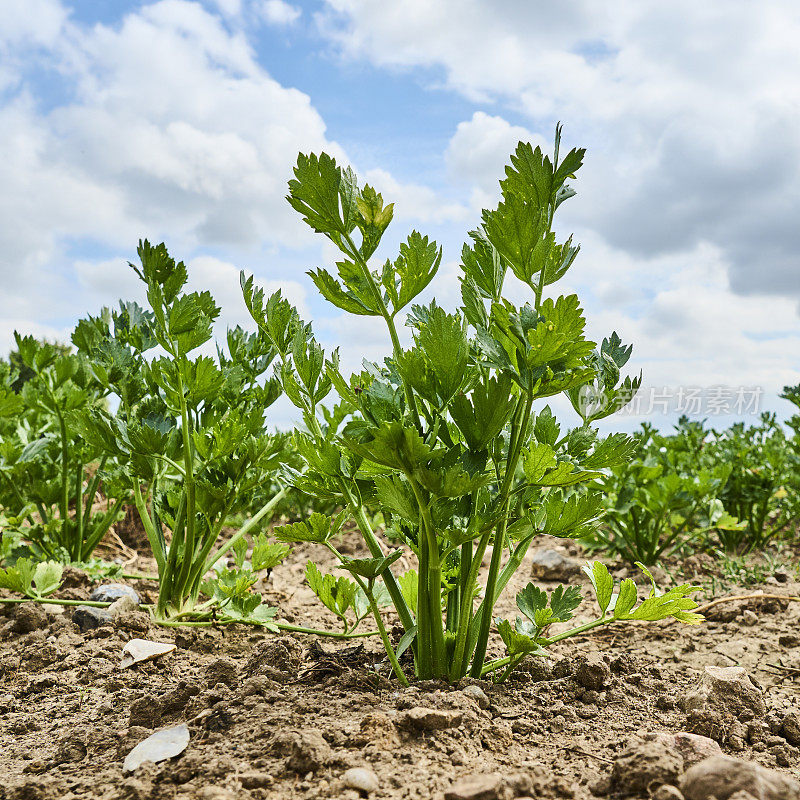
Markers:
{"x": 180, "y": 121}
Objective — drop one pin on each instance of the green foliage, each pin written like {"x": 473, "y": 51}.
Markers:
{"x": 34, "y": 580}
{"x": 51, "y": 476}
{"x": 441, "y": 440}
{"x": 190, "y": 434}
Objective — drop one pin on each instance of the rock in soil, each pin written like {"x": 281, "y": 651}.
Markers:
{"x": 430, "y": 719}
{"x": 723, "y": 777}
{"x": 551, "y": 565}
{"x": 645, "y": 765}
{"x": 29, "y": 617}
{"x": 727, "y": 689}
{"x": 592, "y": 672}
{"x": 667, "y": 792}
{"x": 477, "y": 787}
{"x": 692, "y": 747}
{"x": 109, "y": 592}
{"x": 478, "y": 695}
{"x": 305, "y": 751}
{"x": 222, "y": 670}
{"x": 790, "y": 728}
{"x": 87, "y": 618}
{"x": 362, "y": 779}
{"x": 123, "y": 605}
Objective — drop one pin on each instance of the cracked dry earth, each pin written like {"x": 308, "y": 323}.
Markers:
{"x": 293, "y": 717}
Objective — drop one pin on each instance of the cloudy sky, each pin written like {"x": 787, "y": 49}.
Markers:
{"x": 180, "y": 121}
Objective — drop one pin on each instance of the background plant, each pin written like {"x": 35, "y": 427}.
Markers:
{"x": 51, "y": 478}
{"x": 190, "y": 433}
{"x": 444, "y": 440}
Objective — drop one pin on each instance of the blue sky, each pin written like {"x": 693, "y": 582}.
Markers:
{"x": 180, "y": 120}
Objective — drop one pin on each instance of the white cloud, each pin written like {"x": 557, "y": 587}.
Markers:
{"x": 278, "y": 12}
{"x": 689, "y": 109}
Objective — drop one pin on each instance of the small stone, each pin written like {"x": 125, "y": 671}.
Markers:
{"x": 29, "y": 617}
{"x": 790, "y": 728}
{"x": 163, "y": 744}
{"x": 109, "y": 592}
{"x": 548, "y": 564}
{"x": 378, "y": 729}
{"x": 789, "y": 640}
{"x": 476, "y": 787}
{"x": 256, "y": 780}
{"x": 478, "y": 695}
{"x": 749, "y": 617}
{"x": 727, "y": 689}
{"x": 691, "y": 746}
{"x": 305, "y": 751}
{"x": 145, "y": 712}
{"x": 362, "y": 779}
{"x": 592, "y": 672}
{"x": 723, "y": 777}
{"x": 123, "y": 605}
{"x": 222, "y": 670}
{"x": 87, "y": 618}
{"x": 645, "y": 765}
{"x": 667, "y": 792}
{"x": 430, "y": 719}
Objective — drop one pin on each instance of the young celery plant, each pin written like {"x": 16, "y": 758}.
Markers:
{"x": 192, "y": 430}
{"x": 445, "y": 439}
{"x": 50, "y": 477}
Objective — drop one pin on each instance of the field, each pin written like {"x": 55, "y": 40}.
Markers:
{"x": 285, "y": 717}
{"x": 432, "y": 586}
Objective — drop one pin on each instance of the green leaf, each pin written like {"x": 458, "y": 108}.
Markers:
{"x": 530, "y": 176}
{"x": 18, "y": 578}
{"x": 396, "y": 496}
{"x": 336, "y": 594}
{"x": 603, "y": 583}
{"x": 324, "y": 194}
{"x": 563, "y": 602}
{"x": 347, "y": 300}
{"x": 626, "y": 599}
{"x": 317, "y": 528}
{"x": 266, "y": 554}
{"x": 370, "y": 568}
{"x": 517, "y": 643}
{"x": 530, "y": 600}
{"x": 394, "y": 446}
{"x": 415, "y": 268}
{"x": 483, "y": 414}
{"x": 409, "y": 587}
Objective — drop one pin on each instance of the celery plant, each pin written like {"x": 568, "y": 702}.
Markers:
{"x": 51, "y": 477}
{"x": 449, "y": 439}
{"x": 191, "y": 433}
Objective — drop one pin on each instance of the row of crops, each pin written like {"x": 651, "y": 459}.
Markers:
{"x": 446, "y": 451}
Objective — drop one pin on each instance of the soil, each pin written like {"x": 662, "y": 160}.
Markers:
{"x": 287, "y": 716}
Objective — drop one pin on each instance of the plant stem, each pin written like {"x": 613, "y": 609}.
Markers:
{"x": 246, "y": 528}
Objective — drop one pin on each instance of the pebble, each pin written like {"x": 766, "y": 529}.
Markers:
{"x": 87, "y": 618}
{"x": 123, "y": 605}
{"x": 592, "y": 672}
{"x": 109, "y": 592}
{"x": 476, "y": 787}
{"x": 478, "y": 695}
{"x": 644, "y": 765}
{"x": 548, "y": 564}
{"x": 727, "y": 689}
{"x": 361, "y": 778}
{"x": 667, "y": 792}
{"x": 790, "y": 728}
{"x": 692, "y": 747}
{"x": 723, "y": 777}
{"x": 749, "y": 617}
{"x": 29, "y": 617}
{"x": 430, "y": 719}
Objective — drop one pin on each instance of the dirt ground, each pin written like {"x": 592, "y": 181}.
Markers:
{"x": 287, "y": 716}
